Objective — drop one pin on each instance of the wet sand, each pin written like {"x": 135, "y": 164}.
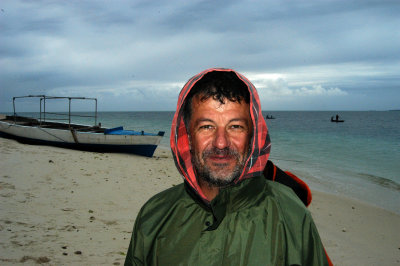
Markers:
{"x": 68, "y": 207}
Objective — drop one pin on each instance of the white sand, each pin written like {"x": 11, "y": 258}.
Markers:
{"x": 57, "y": 202}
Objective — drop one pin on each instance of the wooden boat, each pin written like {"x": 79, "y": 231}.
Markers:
{"x": 85, "y": 137}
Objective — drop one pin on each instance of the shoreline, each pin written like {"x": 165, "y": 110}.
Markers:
{"x": 346, "y": 184}
{"x": 69, "y": 207}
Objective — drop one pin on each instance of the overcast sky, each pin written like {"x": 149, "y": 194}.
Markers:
{"x": 136, "y": 55}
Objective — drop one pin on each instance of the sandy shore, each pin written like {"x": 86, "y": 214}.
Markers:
{"x": 67, "y": 207}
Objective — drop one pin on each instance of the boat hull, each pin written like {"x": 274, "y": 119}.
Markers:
{"x": 136, "y": 144}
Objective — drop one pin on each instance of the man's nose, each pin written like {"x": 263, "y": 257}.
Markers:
{"x": 221, "y": 139}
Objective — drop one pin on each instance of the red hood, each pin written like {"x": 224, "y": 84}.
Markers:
{"x": 260, "y": 143}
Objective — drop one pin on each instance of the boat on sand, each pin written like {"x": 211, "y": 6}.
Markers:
{"x": 43, "y": 130}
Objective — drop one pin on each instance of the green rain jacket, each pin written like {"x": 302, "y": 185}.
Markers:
{"x": 252, "y": 222}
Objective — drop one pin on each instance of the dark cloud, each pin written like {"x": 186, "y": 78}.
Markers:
{"x": 137, "y": 54}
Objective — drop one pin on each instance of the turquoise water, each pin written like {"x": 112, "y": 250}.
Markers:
{"x": 359, "y": 158}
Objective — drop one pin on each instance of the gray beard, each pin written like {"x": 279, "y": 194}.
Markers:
{"x": 204, "y": 173}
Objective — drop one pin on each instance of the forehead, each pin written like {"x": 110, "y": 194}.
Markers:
{"x": 214, "y": 109}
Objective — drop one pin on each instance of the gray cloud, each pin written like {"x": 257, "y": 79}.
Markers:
{"x": 137, "y": 54}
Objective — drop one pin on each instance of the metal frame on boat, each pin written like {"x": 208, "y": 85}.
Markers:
{"x": 43, "y": 130}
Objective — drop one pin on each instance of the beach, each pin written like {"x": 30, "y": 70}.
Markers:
{"x": 70, "y": 207}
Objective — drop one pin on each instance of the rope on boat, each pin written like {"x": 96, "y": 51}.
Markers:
{"x": 51, "y": 134}
{"x": 72, "y": 131}
{"x": 11, "y": 125}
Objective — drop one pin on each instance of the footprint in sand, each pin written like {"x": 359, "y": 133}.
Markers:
{"x": 4, "y": 185}
{"x": 38, "y": 260}
{"x": 5, "y": 190}
{"x": 112, "y": 222}
{"x": 69, "y": 228}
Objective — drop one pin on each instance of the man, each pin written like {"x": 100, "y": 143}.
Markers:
{"x": 226, "y": 212}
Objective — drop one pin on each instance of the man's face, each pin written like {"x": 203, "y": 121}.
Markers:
{"x": 220, "y": 136}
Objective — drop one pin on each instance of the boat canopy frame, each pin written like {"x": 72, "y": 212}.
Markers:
{"x": 43, "y": 99}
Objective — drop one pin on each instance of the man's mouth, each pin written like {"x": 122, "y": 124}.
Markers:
{"x": 221, "y": 158}
{"x": 224, "y": 156}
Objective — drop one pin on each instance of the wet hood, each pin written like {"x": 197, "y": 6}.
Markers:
{"x": 260, "y": 142}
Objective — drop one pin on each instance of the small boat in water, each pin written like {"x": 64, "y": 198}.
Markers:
{"x": 336, "y": 119}
{"x": 45, "y": 131}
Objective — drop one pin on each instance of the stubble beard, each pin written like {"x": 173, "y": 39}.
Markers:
{"x": 218, "y": 177}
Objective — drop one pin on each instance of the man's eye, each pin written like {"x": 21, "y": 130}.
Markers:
{"x": 237, "y": 127}
{"x": 206, "y": 127}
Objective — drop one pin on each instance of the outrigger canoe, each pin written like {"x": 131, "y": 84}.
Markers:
{"x": 85, "y": 137}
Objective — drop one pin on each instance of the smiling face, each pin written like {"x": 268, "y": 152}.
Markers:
{"x": 220, "y": 136}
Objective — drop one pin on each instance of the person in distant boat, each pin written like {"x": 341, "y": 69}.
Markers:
{"x": 228, "y": 210}
{"x": 337, "y": 119}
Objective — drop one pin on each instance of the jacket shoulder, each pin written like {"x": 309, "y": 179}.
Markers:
{"x": 300, "y": 226}
{"x": 159, "y": 209}
{"x": 165, "y": 199}
{"x": 286, "y": 199}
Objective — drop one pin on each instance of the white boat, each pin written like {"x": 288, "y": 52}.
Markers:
{"x": 41, "y": 130}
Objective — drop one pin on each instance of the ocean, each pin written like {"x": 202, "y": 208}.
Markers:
{"x": 359, "y": 158}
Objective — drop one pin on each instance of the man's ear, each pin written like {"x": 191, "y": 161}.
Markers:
{"x": 190, "y": 141}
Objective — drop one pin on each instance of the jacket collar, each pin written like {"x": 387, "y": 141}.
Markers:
{"x": 230, "y": 199}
